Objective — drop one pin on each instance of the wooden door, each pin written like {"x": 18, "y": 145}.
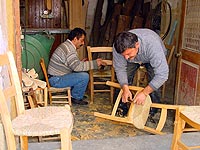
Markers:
{"x": 188, "y": 81}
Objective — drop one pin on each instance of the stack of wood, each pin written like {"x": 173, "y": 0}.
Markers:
{"x": 120, "y": 16}
{"x": 30, "y": 81}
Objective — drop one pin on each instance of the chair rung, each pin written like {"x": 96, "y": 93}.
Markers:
{"x": 102, "y": 76}
{"x": 190, "y": 129}
{"x": 99, "y": 83}
{"x": 101, "y": 90}
{"x": 49, "y": 138}
{"x": 55, "y": 90}
{"x": 60, "y": 102}
{"x": 60, "y": 96}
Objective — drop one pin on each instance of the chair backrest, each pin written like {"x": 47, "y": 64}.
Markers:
{"x": 43, "y": 66}
{"x": 101, "y": 50}
{"x": 10, "y": 91}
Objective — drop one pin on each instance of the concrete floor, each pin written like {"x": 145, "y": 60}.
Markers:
{"x": 143, "y": 142}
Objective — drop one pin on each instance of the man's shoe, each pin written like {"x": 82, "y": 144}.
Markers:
{"x": 85, "y": 97}
{"x": 79, "y": 102}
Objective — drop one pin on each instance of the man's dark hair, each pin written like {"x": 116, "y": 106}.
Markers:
{"x": 124, "y": 41}
{"x": 76, "y": 32}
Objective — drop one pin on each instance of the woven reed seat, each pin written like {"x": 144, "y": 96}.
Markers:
{"x": 192, "y": 113}
{"x": 41, "y": 121}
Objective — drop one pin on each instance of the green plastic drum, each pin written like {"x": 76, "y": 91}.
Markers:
{"x": 35, "y": 47}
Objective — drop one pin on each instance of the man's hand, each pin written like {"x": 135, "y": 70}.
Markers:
{"x": 101, "y": 62}
{"x": 84, "y": 59}
{"x": 127, "y": 95}
{"x": 140, "y": 98}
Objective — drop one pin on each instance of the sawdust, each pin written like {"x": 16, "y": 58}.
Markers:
{"x": 87, "y": 126}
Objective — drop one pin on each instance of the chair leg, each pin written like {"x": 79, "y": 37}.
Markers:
{"x": 69, "y": 97}
{"x": 163, "y": 90}
{"x": 30, "y": 100}
{"x": 45, "y": 96}
{"x": 178, "y": 129}
{"x": 65, "y": 139}
{"x": 138, "y": 78}
{"x": 91, "y": 92}
{"x": 111, "y": 94}
{"x": 24, "y": 142}
{"x": 50, "y": 98}
{"x": 11, "y": 141}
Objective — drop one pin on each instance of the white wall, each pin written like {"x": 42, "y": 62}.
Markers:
{"x": 3, "y": 47}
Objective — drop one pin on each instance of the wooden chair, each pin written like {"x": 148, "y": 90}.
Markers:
{"x": 58, "y": 97}
{"x": 33, "y": 122}
{"x": 142, "y": 73}
{"x": 99, "y": 77}
{"x": 185, "y": 115}
{"x": 132, "y": 113}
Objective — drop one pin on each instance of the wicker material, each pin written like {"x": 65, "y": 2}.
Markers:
{"x": 140, "y": 113}
{"x": 43, "y": 121}
{"x": 192, "y": 112}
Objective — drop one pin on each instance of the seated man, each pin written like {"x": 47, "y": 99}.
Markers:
{"x": 66, "y": 70}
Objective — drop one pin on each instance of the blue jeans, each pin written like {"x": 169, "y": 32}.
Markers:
{"x": 78, "y": 82}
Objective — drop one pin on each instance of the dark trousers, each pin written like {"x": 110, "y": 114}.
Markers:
{"x": 131, "y": 71}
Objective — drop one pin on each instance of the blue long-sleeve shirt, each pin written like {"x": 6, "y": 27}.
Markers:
{"x": 151, "y": 50}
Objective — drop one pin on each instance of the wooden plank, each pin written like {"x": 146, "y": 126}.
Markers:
{"x": 123, "y": 24}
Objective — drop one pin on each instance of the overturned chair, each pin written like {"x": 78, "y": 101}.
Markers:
{"x": 42, "y": 121}
{"x": 138, "y": 114}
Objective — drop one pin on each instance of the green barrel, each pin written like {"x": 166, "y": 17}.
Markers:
{"x": 35, "y": 47}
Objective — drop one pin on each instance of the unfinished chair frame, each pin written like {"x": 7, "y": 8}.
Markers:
{"x": 163, "y": 116}
{"x": 185, "y": 115}
{"x": 107, "y": 75}
{"x": 43, "y": 121}
{"x": 53, "y": 90}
